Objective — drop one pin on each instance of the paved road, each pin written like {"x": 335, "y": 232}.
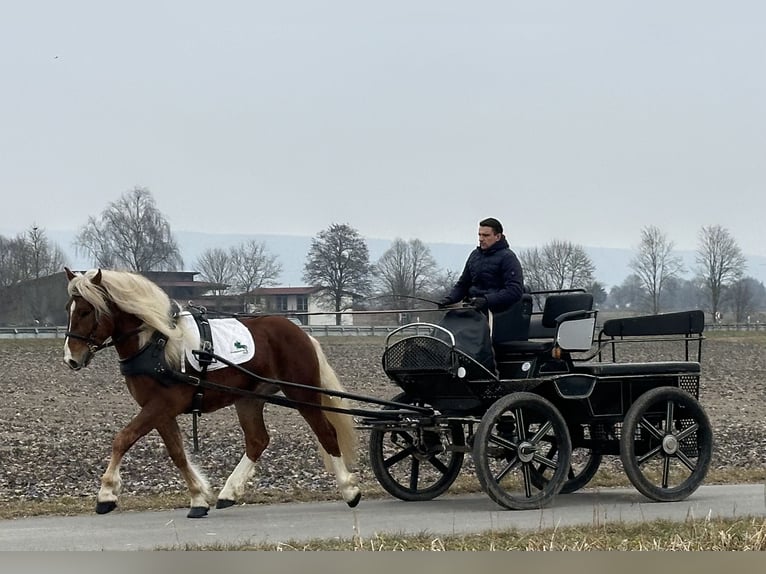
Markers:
{"x": 304, "y": 521}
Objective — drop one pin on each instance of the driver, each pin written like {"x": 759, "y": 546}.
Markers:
{"x": 491, "y": 279}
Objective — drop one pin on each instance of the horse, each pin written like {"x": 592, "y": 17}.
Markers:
{"x": 134, "y": 315}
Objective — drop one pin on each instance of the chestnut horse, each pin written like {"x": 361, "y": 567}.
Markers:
{"x": 131, "y": 313}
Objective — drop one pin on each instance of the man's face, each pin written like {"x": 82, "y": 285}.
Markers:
{"x": 488, "y": 237}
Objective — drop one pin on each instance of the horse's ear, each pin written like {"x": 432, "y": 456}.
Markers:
{"x": 69, "y": 273}
{"x": 96, "y": 278}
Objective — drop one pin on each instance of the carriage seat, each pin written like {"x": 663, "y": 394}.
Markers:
{"x": 541, "y": 335}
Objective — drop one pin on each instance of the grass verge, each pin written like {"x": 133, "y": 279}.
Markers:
{"x": 740, "y": 534}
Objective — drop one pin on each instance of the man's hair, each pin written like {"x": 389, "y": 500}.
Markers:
{"x": 493, "y": 223}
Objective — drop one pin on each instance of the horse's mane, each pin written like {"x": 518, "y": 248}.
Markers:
{"x": 136, "y": 295}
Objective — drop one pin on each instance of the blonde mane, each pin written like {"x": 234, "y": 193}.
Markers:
{"x": 136, "y": 295}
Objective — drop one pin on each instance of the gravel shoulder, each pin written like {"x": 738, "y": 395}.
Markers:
{"x": 57, "y": 425}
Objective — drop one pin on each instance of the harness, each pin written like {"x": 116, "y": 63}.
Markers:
{"x": 150, "y": 361}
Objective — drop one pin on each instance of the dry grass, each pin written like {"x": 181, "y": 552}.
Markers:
{"x": 740, "y": 534}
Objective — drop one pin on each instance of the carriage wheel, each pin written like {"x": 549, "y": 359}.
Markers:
{"x": 583, "y": 466}
{"x": 414, "y": 463}
{"x": 512, "y": 441}
{"x": 583, "y": 463}
{"x": 666, "y": 444}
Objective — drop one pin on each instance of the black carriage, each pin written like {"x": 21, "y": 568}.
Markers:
{"x": 541, "y": 401}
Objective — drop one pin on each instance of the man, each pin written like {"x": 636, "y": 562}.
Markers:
{"x": 492, "y": 278}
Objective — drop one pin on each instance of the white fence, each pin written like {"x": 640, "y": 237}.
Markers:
{"x": 32, "y": 332}
{"x": 735, "y": 326}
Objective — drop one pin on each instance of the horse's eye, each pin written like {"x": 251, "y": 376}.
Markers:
{"x": 82, "y": 313}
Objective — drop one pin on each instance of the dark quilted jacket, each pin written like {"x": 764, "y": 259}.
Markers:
{"x": 494, "y": 274}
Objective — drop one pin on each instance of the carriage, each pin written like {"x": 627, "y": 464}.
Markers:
{"x": 536, "y": 400}
{"x": 541, "y": 401}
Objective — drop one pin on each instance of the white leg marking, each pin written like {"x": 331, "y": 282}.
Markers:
{"x": 199, "y": 489}
{"x": 347, "y": 481}
{"x": 235, "y": 484}
{"x": 111, "y": 484}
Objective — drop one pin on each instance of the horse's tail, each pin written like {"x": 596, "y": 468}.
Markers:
{"x": 342, "y": 423}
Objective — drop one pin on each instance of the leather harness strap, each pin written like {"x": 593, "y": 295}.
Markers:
{"x": 205, "y": 358}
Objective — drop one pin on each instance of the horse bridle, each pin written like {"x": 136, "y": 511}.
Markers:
{"x": 94, "y": 346}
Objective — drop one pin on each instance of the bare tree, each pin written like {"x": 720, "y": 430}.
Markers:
{"x": 598, "y": 290}
{"x": 46, "y": 258}
{"x": 629, "y": 294}
{"x": 655, "y": 264}
{"x": 405, "y": 270}
{"x": 29, "y": 258}
{"x": 6, "y": 258}
{"x": 13, "y": 257}
{"x": 253, "y": 266}
{"x": 744, "y": 295}
{"x": 534, "y": 268}
{"x": 38, "y": 247}
{"x": 442, "y": 282}
{"x": 29, "y": 255}
{"x": 558, "y": 265}
{"x": 131, "y": 233}
{"x": 339, "y": 262}
{"x": 215, "y": 265}
{"x": 681, "y": 294}
{"x": 720, "y": 262}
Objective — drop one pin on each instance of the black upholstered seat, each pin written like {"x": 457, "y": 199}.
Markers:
{"x": 541, "y": 329}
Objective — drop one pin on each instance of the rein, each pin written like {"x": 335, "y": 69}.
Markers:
{"x": 150, "y": 361}
{"x": 292, "y": 403}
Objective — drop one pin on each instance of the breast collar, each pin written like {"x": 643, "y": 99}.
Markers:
{"x": 149, "y": 360}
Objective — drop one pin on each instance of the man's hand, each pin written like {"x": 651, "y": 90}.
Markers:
{"x": 444, "y": 302}
{"x": 478, "y": 303}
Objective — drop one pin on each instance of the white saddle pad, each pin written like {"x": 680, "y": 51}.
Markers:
{"x": 231, "y": 341}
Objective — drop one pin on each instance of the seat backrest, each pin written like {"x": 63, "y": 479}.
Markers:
{"x": 559, "y": 303}
{"x": 679, "y": 323}
{"x": 513, "y": 324}
{"x": 543, "y": 326}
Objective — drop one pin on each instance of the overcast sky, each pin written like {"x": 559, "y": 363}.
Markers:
{"x": 576, "y": 120}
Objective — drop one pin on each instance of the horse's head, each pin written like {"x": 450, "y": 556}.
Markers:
{"x": 90, "y": 324}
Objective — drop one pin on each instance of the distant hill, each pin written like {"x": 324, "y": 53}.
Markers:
{"x": 612, "y": 263}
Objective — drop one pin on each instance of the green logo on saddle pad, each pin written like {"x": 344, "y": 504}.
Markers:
{"x": 239, "y": 347}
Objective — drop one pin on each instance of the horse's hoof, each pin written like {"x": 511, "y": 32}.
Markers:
{"x": 225, "y": 503}
{"x": 105, "y": 507}
{"x": 352, "y": 503}
{"x": 197, "y": 512}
